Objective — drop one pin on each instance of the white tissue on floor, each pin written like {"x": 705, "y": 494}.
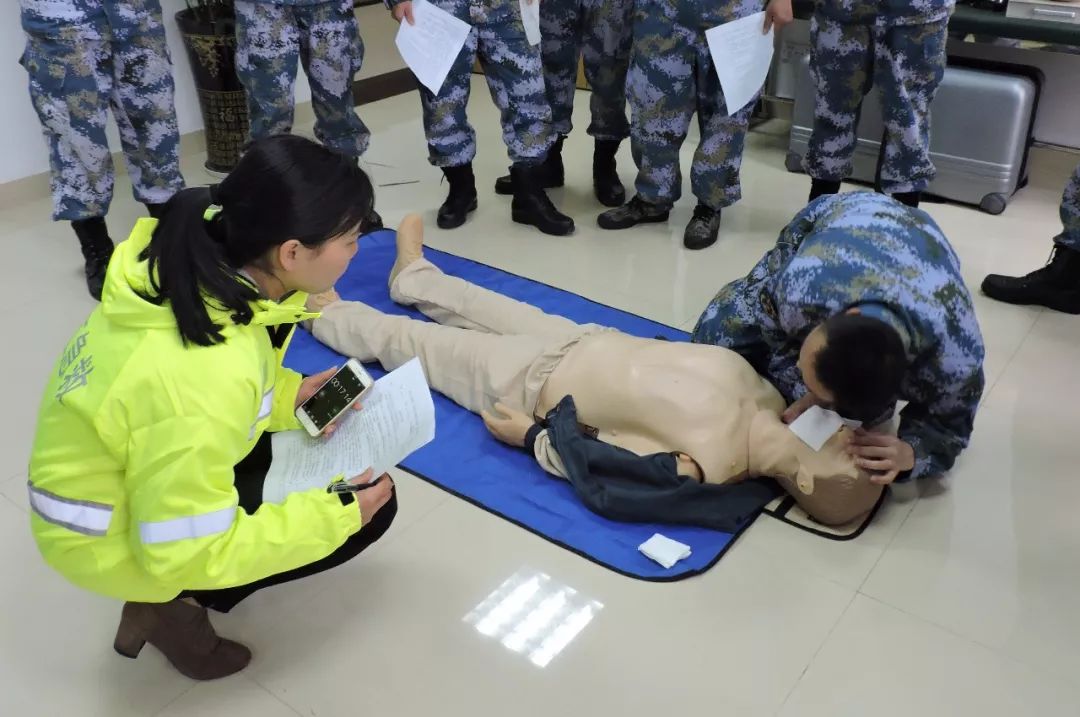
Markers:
{"x": 665, "y": 551}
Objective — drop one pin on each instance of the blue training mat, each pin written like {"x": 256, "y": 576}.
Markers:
{"x": 467, "y": 461}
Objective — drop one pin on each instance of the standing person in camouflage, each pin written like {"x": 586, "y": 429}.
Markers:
{"x": 272, "y": 38}
{"x": 1056, "y": 285}
{"x": 672, "y": 76}
{"x": 860, "y": 304}
{"x": 83, "y": 56}
{"x": 599, "y": 33}
{"x": 514, "y": 75}
{"x": 897, "y": 45}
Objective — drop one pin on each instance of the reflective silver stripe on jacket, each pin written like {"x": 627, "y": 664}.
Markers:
{"x": 265, "y": 410}
{"x": 81, "y": 516}
{"x": 189, "y": 526}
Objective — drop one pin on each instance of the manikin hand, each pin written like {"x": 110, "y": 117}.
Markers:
{"x": 883, "y": 454}
{"x": 509, "y": 425}
{"x": 778, "y": 14}
{"x": 799, "y": 407}
{"x": 403, "y": 11}
{"x": 310, "y": 385}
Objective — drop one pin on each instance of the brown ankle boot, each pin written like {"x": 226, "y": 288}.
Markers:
{"x": 184, "y": 635}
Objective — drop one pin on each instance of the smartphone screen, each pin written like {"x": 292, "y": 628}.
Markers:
{"x": 333, "y": 398}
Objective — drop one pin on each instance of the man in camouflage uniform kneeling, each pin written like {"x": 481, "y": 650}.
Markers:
{"x": 861, "y": 304}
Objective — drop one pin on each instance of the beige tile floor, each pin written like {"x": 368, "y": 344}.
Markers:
{"x": 959, "y": 600}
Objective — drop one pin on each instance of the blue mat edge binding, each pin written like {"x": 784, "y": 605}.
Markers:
{"x": 674, "y": 575}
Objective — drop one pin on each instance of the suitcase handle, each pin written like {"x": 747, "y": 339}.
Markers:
{"x": 1071, "y": 14}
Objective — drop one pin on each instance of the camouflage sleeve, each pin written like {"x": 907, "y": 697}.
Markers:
{"x": 939, "y": 429}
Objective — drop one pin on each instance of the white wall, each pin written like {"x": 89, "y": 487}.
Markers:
{"x": 24, "y": 151}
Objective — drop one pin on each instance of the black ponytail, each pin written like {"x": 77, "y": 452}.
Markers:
{"x": 283, "y": 188}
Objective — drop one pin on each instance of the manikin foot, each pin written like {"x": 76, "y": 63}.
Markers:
{"x": 410, "y": 244}
{"x": 317, "y": 302}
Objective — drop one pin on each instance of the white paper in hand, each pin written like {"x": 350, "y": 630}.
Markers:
{"x": 530, "y": 17}
{"x": 398, "y": 418}
{"x": 432, "y": 45}
{"x": 816, "y": 426}
{"x": 741, "y": 54}
{"x": 664, "y": 550}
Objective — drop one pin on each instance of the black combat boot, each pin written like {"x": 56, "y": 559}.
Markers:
{"x": 97, "y": 249}
{"x": 531, "y": 204}
{"x": 910, "y": 199}
{"x": 821, "y": 187}
{"x": 703, "y": 227}
{"x": 551, "y": 170}
{"x": 462, "y": 197}
{"x": 155, "y": 210}
{"x": 636, "y": 211}
{"x": 1055, "y": 286}
{"x": 605, "y": 176}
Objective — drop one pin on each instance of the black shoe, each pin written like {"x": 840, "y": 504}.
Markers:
{"x": 636, "y": 211}
{"x": 531, "y": 204}
{"x": 910, "y": 199}
{"x": 462, "y": 197}
{"x": 97, "y": 249}
{"x": 605, "y": 176}
{"x": 1055, "y": 286}
{"x": 703, "y": 227}
{"x": 155, "y": 210}
{"x": 821, "y": 187}
{"x": 552, "y": 173}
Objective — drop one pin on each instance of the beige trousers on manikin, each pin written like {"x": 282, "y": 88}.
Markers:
{"x": 484, "y": 348}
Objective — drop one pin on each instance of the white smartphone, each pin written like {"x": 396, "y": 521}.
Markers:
{"x": 334, "y": 397}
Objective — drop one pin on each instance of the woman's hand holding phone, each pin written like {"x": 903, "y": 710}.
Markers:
{"x": 310, "y": 386}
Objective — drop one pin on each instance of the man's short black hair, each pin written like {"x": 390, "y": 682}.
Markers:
{"x": 862, "y": 364}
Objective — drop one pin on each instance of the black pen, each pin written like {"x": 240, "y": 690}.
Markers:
{"x": 343, "y": 487}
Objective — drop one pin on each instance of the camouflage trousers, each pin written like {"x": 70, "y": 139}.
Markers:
{"x": 514, "y": 74}
{"x": 906, "y": 63}
{"x": 599, "y": 32}
{"x": 82, "y": 59}
{"x": 671, "y": 77}
{"x": 1070, "y": 214}
{"x": 272, "y": 38}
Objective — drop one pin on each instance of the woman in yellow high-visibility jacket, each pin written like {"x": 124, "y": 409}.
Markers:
{"x": 152, "y": 441}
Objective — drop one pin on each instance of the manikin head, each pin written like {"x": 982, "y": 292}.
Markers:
{"x": 854, "y": 364}
{"x": 826, "y": 483}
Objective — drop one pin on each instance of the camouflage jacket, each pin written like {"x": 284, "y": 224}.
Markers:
{"x": 865, "y": 250}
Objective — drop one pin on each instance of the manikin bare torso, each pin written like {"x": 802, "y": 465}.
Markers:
{"x": 652, "y": 396}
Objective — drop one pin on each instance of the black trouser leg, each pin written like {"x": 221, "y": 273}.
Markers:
{"x": 250, "y": 474}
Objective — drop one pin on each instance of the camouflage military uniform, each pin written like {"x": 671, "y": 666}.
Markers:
{"x": 599, "y": 31}
{"x": 1070, "y": 214}
{"x": 897, "y": 45}
{"x": 671, "y": 76}
{"x": 866, "y": 250}
{"x": 272, "y": 37}
{"x": 82, "y": 56}
{"x": 514, "y": 74}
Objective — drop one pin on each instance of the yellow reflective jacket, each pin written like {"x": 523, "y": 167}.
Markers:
{"x": 131, "y": 476}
